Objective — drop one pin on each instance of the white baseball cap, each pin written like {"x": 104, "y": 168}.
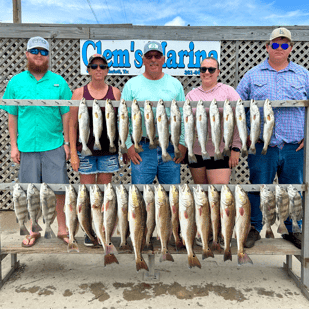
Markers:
{"x": 281, "y": 32}
{"x": 37, "y": 42}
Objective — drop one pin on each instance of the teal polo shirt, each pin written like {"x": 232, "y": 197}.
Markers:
{"x": 39, "y": 127}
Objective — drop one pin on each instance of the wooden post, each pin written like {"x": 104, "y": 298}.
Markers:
{"x": 17, "y": 11}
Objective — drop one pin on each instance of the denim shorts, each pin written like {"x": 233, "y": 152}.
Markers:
{"x": 98, "y": 164}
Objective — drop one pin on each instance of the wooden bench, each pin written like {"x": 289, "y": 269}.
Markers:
{"x": 11, "y": 245}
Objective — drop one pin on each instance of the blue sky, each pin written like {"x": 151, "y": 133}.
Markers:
{"x": 162, "y": 12}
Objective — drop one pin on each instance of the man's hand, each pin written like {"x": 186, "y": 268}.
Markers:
{"x": 134, "y": 156}
{"x": 182, "y": 150}
{"x": 301, "y": 145}
{"x": 75, "y": 162}
{"x": 15, "y": 154}
{"x": 67, "y": 152}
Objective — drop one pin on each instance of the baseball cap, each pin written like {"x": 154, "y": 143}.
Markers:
{"x": 153, "y": 45}
{"x": 96, "y": 56}
{"x": 37, "y": 42}
{"x": 281, "y": 32}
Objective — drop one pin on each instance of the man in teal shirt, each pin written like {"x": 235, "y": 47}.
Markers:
{"x": 153, "y": 85}
{"x": 39, "y": 134}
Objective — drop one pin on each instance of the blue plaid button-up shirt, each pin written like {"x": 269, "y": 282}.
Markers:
{"x": 292, "y": 83}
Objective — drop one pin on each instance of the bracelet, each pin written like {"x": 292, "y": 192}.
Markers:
{"x": 66, "y": 143}
{"x": 235, "y": 149}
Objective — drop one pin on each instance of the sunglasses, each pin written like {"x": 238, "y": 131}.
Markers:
{"x": 35, "y": 51}
{"x": 95, "y": 66}
{"x": 157, "y": 56}
{"x": 210, "y": 70}
{"x": 284, "y": 46}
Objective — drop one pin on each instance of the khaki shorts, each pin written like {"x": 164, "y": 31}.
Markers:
{"x": 46, "y": 166}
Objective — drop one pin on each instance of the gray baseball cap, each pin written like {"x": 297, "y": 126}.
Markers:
{"x": 36, "y": 42}
{"x": 281, "y": 32}
{"x": 153, "y": 45}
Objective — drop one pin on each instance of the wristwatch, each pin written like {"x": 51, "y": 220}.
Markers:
{"x": 235, "y": 149}
{"x": 66, "y": 143}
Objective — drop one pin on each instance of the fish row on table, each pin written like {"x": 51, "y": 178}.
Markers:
{"x": 34, "y": 204}
{"x": 281, "y": 205}
{"x": 181, "y": 213}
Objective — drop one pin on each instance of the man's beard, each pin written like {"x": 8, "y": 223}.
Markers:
{"x": 37, "y": 69}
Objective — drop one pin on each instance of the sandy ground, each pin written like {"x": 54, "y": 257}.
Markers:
{"x": 81, "y": 281}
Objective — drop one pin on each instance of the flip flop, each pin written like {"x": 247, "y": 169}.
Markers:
{"x": 29, "y": 237}
{"x": 62, "y": 237}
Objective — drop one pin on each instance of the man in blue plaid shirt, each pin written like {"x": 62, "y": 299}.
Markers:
{"x": 277, "y": 78}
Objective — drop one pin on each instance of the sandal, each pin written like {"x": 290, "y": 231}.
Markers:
{"x": 29, "y": 237}
{"x": 62, "y": 237}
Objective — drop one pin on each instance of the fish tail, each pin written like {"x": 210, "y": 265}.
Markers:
{"x": 166, "y": 257}
{"x": 193, "y": 261}
{"x": 227, "y": 152}
{"x": 207, "y": 253}
{"x": 125, "y": 246}
{"x": 215, "y": 246}
{"x": 138, "y": 148}
{"x": 35, "y": 227}
{"x": 269, "y": 233}
{"x": 72, "y": 246}
{"x": 295, "y": 227}
{"x": 152, "y": 145}
{"x": 86, "y": 152}
{"x": 177, "y": 152}
{"x": 110, "y": 259}
{"x": 264, "y": 151}
{"x": 218, "y": 156}
{"x": 111, "y": 249}
{"x": 192, "y": 159}
{"x": 148, "y": 246}
{"x": 49, "y": 233}
{"x": 227, "y": 255}
{"x": 141, "y": 264}
{"x": 166, "y": 157}
{"x": 252, "y": 150}
{"x": 23, "y": 230}
{"x": 244, "y": 151}
{"x": 243, "y": 258}
{"x": 179, "y": 245}
{"x": 282, "y": 228}
{"x": 205, "y": 155}
{"x": 97, "y": 146}
{"x": 123, "y": 149}
{"x": 112, "y": 149}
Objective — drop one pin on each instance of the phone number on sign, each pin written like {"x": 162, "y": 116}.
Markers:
{"x": 191, "y": 72}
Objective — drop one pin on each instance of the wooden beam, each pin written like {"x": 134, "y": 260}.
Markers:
{"x": 130, "y": 32}
{"x": 16, "y": 11}
{"x": 260, "y": 103}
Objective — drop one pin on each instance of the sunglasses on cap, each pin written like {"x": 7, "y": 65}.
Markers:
{"x": 284, "y": 46}
{"x": 95, "y": 66}
{"x": 157, "y": 56}
{"x": 210, "y": 70}
{"x": 35, "y": 51}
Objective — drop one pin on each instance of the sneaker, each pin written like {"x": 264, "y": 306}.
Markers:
{"x": 198, "y": 241}
{"x": 87, "y": 241}
{"x": 253, "y": 236}
{"x": 294, "y": 238}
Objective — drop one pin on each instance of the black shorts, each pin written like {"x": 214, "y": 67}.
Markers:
{"x": 210, "y": 164}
